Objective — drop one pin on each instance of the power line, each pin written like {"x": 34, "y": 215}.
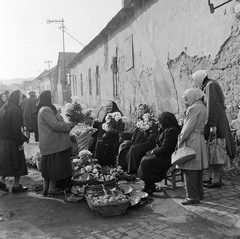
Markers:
{"x": 74, "y": 38}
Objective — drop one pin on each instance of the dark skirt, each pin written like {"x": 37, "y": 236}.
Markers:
{"x": 12, "y": 161}
{"x": 153, "y": 168}
{"x": 57, "y": 166}
{"x": 135, "y": 155}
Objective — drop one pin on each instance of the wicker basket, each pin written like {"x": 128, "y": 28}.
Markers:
{"x": 112, "y": 182}
{"x": 109, "y": 209}
{"x": 80, "y": 183}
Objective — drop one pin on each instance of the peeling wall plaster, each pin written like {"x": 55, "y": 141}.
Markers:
{"x": 224, "y": 68}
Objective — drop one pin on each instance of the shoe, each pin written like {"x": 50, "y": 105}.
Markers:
{"x": 19, "y": 189}
{"x": 190, "y": 201}
{"x": 55, "y": 193}
{"x": 3, "y": 187}
{"x": 150, "y": 189}
{"x": 213, "y": 185}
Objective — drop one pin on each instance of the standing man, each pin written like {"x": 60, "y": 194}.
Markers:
{"x": 29, "y": 118}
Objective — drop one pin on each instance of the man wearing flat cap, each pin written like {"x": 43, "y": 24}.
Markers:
{"x": 29, "y": 118}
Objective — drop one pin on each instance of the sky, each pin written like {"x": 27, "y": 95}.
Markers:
{"x": 27, "y": 42}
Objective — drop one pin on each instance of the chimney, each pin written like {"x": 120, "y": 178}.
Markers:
{"x": 125, "y": 2}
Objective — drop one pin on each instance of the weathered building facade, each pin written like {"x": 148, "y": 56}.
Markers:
{"x": 148, "y": 51}
{"x": 61, "y": 86}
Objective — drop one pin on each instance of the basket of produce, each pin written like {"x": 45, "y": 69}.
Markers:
{"x": 80, "y": 179}
{"x": 108, "y": 175}
{"x": 107, "y": 180}
{"x": 108, "y": 204}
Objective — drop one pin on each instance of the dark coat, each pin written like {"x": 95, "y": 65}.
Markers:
{"x": 29, "y": 118}
{"x": 12, "y": 161}
{"x": 154, "y": 167}
{"x": 107, "y": 147}
{"x": 216, "y": 114}
{"x": 141, "y": 143}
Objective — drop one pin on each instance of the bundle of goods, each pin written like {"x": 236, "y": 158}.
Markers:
{"x": 82, "y": 135}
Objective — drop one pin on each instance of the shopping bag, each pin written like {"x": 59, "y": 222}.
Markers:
{"x": 182, "y": 155}
{"x": 217, "y": 151}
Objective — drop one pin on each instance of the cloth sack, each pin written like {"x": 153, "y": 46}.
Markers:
{"x": 182, "y": 155}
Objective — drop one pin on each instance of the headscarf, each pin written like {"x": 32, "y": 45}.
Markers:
{"x": 1, "y": 101}
{"x": 115, "y": 107}
{"x": 199, "y": 77}
{"x": 145, "y": 106}
{"x": 45, "y": 99}
{"x": 14, "y": 97}
{"x": 168, "y": 119}
{"x": 193, "y": 95}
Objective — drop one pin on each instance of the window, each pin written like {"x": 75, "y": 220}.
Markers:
{"x": 81, "y": 83}
{"x": 74, "y": 85}
{"x": 115, "y": 84}
{"x": 97, "y": 81}
{"x": 90, "y": 81}
{"x": 114, "y": 67}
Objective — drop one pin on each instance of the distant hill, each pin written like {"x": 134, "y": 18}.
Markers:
{"x": 15, "y": 80}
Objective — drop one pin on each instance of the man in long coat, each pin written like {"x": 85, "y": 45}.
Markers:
{"x": 30, "y": 119}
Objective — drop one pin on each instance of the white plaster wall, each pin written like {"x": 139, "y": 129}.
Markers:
{"x": 162, "y": 32}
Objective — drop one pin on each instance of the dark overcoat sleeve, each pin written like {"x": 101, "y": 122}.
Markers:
{"x": 17, "y": 122}
{"x": 168, "y": 142}
{"x": 214, "y": 96}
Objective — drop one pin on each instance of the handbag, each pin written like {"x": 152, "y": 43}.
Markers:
{"x": 217, "y": 150}
{"x": 181, "y": 155}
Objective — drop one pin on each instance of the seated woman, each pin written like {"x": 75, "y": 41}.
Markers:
{"x": 154, "y": 167}
{"x": 137, "y": 138}
{"x": 108, "y": 141}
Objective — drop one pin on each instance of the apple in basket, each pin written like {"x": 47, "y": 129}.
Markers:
{"x": 103, "y": 178}
{"x": 109, "y": 199}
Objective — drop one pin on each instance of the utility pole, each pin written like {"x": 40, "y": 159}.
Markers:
{"x": 61, "y": 21}
{"x": 62, "y": 27}
{"x": 48, "y": 63}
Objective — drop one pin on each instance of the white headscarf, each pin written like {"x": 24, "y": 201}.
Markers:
{"x": 194, "y": 94}
{"x": 198, "y": 77}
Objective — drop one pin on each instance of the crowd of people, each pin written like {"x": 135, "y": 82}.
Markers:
{"x": 145, "y": 153}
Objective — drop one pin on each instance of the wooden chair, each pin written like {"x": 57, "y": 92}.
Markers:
{"x": 173, "y": 175}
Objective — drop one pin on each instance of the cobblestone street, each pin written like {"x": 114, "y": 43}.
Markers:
{"x": 29, "y": 215}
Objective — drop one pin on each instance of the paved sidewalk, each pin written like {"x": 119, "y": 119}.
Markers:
{"x": 221, "y": 205}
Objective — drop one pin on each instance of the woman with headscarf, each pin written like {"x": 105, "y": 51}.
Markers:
{"x": 54, "y": 144}
{"x": 12, "y": 159}
{"x": 108, "y": 141}
{"x": 143, "y": 141}
{"x": 3, "y": 98}
{"x": 192, "y": 135}
{"x": 217, "y": 118}
{"x": 135, "y": 148}
{"x": 154, "y": 167}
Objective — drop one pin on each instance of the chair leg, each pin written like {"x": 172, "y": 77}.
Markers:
{"x": 165, "y": 179}
{"x": 173, "y": 179}
{"x": 182, "y": 178}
